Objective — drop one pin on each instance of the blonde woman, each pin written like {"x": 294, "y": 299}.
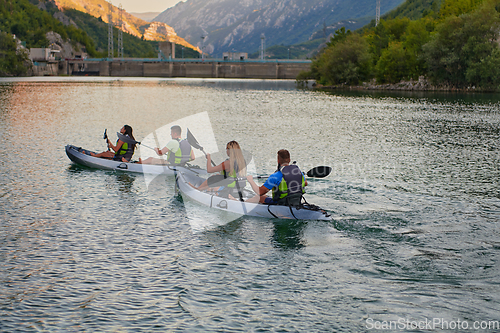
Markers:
{"x": 234, "y": 166}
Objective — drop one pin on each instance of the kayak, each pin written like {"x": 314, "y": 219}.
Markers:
{"x": 210, "y": 199}
{"x": 83, "y": 157}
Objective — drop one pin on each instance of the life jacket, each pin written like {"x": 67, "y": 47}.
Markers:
{"x": 290, "y": 189}
{"x": 234, "y": 174}
{"x": 126, "y": 151}
{"x": 182, "y": 155}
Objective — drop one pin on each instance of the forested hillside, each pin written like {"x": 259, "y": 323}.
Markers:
{"x": 412, "y": 9}
{"x": 134, "y": 47}
{"x": 151, "y": 31}
{"x": 453, "y": 43}
{"x": 30, "y": 24}
{"x": 233, "y": 25}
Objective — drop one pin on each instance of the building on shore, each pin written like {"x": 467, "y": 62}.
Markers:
{"x": 45, "y": 61}
{"x": 234, "y": 55}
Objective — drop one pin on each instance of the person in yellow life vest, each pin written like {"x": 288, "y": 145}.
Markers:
{"x": 234, "y": 166}
{"x": 287, "y": 184}
{"x": 122, "y": 151}
{"x": 178, "y": 151}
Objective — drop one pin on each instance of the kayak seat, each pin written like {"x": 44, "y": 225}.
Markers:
{"x": 83, "y": 151}
{"x": 293, "y": 200}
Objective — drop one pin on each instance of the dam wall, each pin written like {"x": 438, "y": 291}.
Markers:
{"x": 267, "y": 69}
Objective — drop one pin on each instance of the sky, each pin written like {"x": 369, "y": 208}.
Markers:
{"x": 144, "y": 6}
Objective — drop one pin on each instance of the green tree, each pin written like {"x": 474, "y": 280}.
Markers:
{"x": 463, "y": 45}
{"x": 486, "y": 72}
{"x": 417, "y": 35}
{"x": 385, "y": 33}
{"x": 402, "y": 57}
{"x": 12, "y": 62}
{"x": 340, "y": 35}
{"x": 393, "y": 64}
{"x": 458, "y": 7}
{"x": 346, "y": 62}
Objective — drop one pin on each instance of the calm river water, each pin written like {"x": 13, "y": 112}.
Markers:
{"x": 414, "y": 244}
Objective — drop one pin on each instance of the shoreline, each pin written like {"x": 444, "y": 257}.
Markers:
{"x": 422, "y": 84}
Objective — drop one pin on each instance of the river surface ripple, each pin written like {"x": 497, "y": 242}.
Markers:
{"x": 414, "y": 196}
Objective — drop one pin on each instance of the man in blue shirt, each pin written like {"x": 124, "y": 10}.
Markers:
{"x": 287, "y": 182}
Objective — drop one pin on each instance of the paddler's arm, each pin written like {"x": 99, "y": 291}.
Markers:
{"x": 171, "y": 146}
{"x": 192, "y": 155}
{"x": 162, "y": 151}
{"x": 117, "y": 147}
{"x": 211, "y": 168}
{"x": 260, "y": 190}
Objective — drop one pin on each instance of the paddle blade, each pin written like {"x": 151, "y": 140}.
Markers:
{"x": 319, "y": 172}
{"x": 127, "y": 139}
{"x": 218, "y": 180}
{"x": 192, "y": 141}
{"x": 105, "y": 136}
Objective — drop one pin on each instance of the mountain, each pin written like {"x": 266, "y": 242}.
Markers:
{"x": 154, "y": 31}
{"x": 97, "y": 30}
{"x": 148, "y": 16}
{"x": 237, "y": 25}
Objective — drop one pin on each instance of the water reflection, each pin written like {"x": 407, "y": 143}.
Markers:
{"x": 77, "y": 168}
{"x": 414, "y": 190}
{"x": 125, "y": 182}
{"x": 289, "y": 234}
{"x": 435, "y": 96}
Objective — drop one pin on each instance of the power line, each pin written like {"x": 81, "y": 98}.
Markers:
{"x": 120, "y": 32}
{"x": 110, "y": 31}
{"x": 262, "y": 46}
{"x": 377, "y": 14}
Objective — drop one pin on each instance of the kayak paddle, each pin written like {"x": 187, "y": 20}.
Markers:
{"x": 105, "y": 136}
{"x": 128, "y": 139}
{"x": 220, "y": 180}
{"x": 316, "y": 172}
{"x": 319, "y": 172}
{"x": 194, "y": 143}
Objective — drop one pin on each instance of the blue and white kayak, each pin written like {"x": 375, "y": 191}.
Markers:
{"x": 82, "y": 157}
{"x": 212, "y": 200}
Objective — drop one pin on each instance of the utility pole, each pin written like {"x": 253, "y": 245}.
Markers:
{"x": 377, "y": 13}
{"x": 202, "y": 45}
{"x": 120, "y": 33}
{"x": 262, "y": 46}
{"x": 110, "y": 31}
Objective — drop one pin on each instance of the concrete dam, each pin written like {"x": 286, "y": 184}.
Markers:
{"x": 192, "y": 68}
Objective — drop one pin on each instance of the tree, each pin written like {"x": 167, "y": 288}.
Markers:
{"x": 346, "y": 62}
{"x": 385, "y": 33}
{"x": 340, "y": 35}
{"x": 11, "y": 61}
{"x": 462, "y": 46}
{"x": 393, "y": 64}
{"x": 417, "y": 35}
{"x": 486, "y": 73}
{"x": 458, "y": 7}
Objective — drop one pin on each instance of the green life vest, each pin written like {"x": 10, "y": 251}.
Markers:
{"x": 234, "y": 174}
{"x": 123, "y": 149}
{"x": 182, "y": 155}
{"x": 126, "y": 151}
{"x": 292, "y": 183}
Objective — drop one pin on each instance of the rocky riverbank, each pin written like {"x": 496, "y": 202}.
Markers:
{"x": 422, "y": 84}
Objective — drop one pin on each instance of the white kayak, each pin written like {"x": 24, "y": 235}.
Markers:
{"x": 210, "y": 199}
{"x": 82, "y": 157}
